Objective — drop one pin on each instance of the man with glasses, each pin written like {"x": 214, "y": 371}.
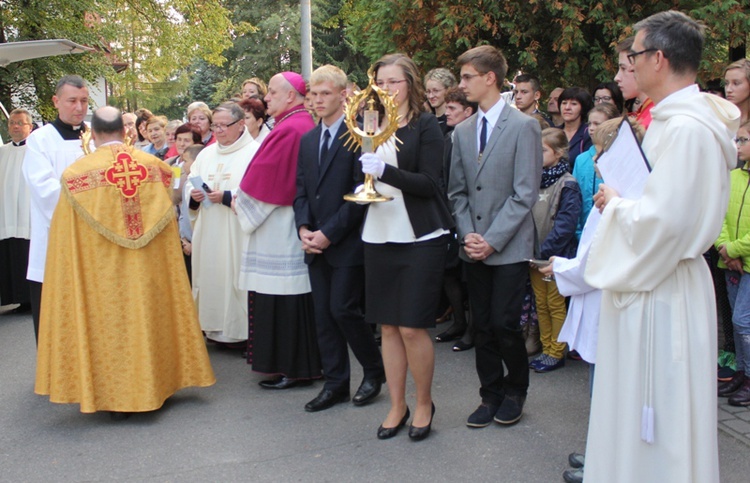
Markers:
{"x": 15, "y": 219}
{"x": 653, "y": 411}
{"x": 217, "y": 237}
{"x": 496, "y": 170}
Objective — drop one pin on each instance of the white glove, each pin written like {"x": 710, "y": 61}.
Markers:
{"x": 372, "y": 164}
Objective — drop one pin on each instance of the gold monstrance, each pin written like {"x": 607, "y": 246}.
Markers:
{"x": 368, "y": 138}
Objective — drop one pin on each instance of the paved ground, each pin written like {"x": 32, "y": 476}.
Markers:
{"x": 235, "y": 431}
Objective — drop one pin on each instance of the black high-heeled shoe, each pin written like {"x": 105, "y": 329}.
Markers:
{"x": 386, "y": 433}
{"x": 418, "y": 434}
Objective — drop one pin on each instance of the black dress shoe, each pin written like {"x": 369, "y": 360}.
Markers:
{"x": 368, "y": 390}
{"x": 454, "y": 332}
{"x": 386, "y": 433}
{"x": 576, "y": 460}
{"x": 733, "y": 385}
{"x": 461, "y": 346}
{"x": 418, "y": 434}
{"x": 283, "y": 382}
{"x": 573, "y": 476}
{"x": 325, "y": 400}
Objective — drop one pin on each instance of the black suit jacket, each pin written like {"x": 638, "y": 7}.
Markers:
{"x": 418, "y": 176}
{"x": 320, "y": 204}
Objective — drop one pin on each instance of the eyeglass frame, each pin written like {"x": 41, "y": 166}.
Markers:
{"x": 632, "y": 55}
{"x": 19, "y": 123}
{"x": 389, "y": 83}
{"x": 222, "y": 128}
{"x": 468, "y": 77}
{"x": 741, "y": 141}
{"x": 602, "y": 99}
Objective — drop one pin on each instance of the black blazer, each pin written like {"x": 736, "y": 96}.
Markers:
{"x": 319, "y": 202}
{"x": 418, "y": 176}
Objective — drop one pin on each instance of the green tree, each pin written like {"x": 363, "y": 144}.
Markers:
{"x": 566, "y": 43}
{"x": 154, "y": 38}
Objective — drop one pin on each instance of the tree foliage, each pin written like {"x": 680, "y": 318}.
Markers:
{"x": 155, "y": 38}
{"x": 565, "y": 42}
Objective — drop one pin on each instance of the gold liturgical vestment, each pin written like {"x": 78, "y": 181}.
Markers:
{"x": 118, "y": 329}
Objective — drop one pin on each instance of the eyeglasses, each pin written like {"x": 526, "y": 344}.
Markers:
{"x": 602, "y": 99}
{"x": 223, "y": 127}
{"x": 631, "y": 56}
{"x": 435, "y": 92}
{"x": 18, "y": 123}
{"x": 468, "y": 77}
{"x": 389, "y": 83}
{"x": 741, "y": 141}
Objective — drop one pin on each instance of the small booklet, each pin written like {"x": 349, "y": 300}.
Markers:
{"x": 198, "y": 184}
{"x": 624, "y": 166}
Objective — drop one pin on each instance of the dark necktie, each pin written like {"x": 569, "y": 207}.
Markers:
{"x": 483, "y": 136}
{"x": 324, "y": 148}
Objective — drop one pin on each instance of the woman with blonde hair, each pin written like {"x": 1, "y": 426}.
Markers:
{"x": 405, "y": 244}
{"x": 254, "y": 87}
{"x": 436, "y": 84}
{"x": 200, "y": 116}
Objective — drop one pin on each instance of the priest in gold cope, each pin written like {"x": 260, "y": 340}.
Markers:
{"x": 119, "y": 330}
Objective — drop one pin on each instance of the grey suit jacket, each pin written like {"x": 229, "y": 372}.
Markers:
{"x": 494, "y": 198}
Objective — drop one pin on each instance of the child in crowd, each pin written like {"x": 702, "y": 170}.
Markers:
{"x": 734, "y": 249}
{"x": 556, "y": 217}
{"x": 581, "y": 325}
{"x": 584, "y": 171}
{"x": 181, "y": 200}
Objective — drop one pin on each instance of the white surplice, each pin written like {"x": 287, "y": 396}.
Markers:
{"x": 15, "y": 220}
{"x": 653, "y": 412}
{"x": 217, "y": 243}
{"x": 581, "y": 325}
{"x": 47, "y": 156}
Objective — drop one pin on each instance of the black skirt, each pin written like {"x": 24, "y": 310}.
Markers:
{"x": 403, "y": 282}
{"x": 282, "y": 337}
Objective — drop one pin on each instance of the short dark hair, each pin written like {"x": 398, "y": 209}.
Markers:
{"x": 192, "y": 151}
{"x": 70, "y": 80}
{"x": 615, "y": 90}
{"x": 455, "y": 94}
{"x": 677, "y": 36}
{"x": 625, "y": 45}
{"x": 530, "y": 79}
{"x": 22, "y": 112}
{"x": 107, "y": 126}
{"x": 582, "y": 96}
{"x": 484, "y": 59}
{"x": 189, "y": 128}
{"x": 256, "y": 106}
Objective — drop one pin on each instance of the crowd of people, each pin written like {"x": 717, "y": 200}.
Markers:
{"x": 498, "y": 219}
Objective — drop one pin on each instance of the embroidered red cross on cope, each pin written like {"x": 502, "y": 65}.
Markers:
{"x": 126, "y": 174}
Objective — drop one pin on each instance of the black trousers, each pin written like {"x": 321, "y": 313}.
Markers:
{"x": 496, "y": 296}
{"x": 35, "y": 292}
{"x": 14, "y": 259}
{"x": 337, "y": 296}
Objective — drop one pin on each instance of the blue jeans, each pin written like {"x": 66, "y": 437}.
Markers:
{"x": 738, "y": 290}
